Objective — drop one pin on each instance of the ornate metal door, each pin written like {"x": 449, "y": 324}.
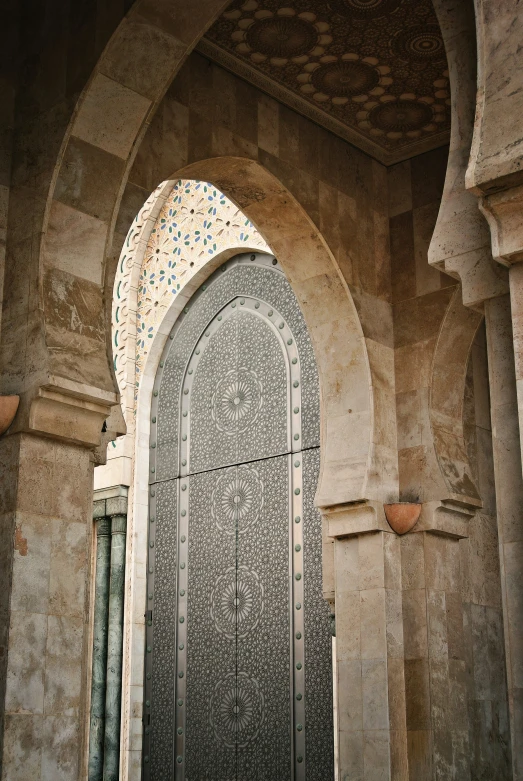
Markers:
{"x": 238, "y": 681}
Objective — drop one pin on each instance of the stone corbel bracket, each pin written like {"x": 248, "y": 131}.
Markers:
{"x": 440, "y": 517}
{"x": 66, "y": 410}
{"x": 8, "y": 409}
{"x": 503, "y": 211}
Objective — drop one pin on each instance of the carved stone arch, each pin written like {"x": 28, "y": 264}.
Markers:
{"x": 447, "y": 393}
{"x": 347, "y": 435}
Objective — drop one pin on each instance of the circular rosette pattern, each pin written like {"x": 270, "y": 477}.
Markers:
{"x": 237, "y": 602}
{"x": 237, "y": 710}
{"x": 423, "y": 43}
{"x": 237, "y": 500}
{"x": 278, "y": 37}
{"x": 406, "y": 117}
{"x": 364, "y": 9}
{"x": 337, "y": 80}
{"x": 236, "y": 401}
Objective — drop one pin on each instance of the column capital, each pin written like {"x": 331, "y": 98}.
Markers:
{"x": 444, "y": 518}
{"x": 503, "y": 211}
{"x": 64, "y": 410}
{"x": 349, "y": 520}
{"x": 441, "y": 517}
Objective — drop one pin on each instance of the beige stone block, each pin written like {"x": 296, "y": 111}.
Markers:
{"x": 419, "y": 476}
{"x": 155, "y": 57}
{"x": 22, "y": 749}
{"x": 268, "y": 124}
{"x": 413, "y": 365}
{"x": 376, "y": 751}
{"x": 31, "y": 563}
{"x": 350, "y": 703}
{"x": 347, "y": 565}
{"x": 375, "y": 316}
{"x": 424, "y": 218}
{"x": 415, "y": 623}
{"x": 419, "y": 748}
{"x": 226, "y": 142}
{"x": 437, "y": 624}
{"x": 60, "y": 747}
{"x": 26, "y": 663}
{"x": 63, "y": 665}
{"x": 396, "y": 694}
{"x": 67, "y": 580}
{"x": 399, "y": 188}
{"x": 439, "y": 692}
{"x": 409, "y": 419}
{"x": 394, "y": 624}
{"x": 392, "y": 561}
{"x": 373, "y": 624}
{"x": 89, "y": 179}
{"x": 351, "y": 755}
{"x": 110, "y": 116}
{"x": 348, "y": 618}
{"x": 417, "y": 694}
{"x": 371, "y": 561}
{"x": 442, "y": 563}
{"x": 75, "y": 242}
{"x": 375, "y": 694}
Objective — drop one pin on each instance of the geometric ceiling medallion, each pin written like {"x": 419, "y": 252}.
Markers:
{"x": 282, "y": 36}
{"x": 340, "y": 79}
{"x": 419, "y": 43}
{"x": 373, "y": 72}
{"x": 401, "y": 116}
{"x": 279, "y": 38}
{"x": 364, "y": 9}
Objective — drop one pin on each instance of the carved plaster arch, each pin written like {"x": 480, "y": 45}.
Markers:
{"x": 180, "y": 228}
{"x": 447, "y": 393}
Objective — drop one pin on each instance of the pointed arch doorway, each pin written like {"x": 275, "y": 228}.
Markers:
{"x": 238, "y": 677}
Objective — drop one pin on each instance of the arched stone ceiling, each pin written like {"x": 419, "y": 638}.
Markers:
{"x": 372, "y": 71}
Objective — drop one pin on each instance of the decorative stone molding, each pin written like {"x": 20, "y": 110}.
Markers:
{"x": 460, "y": 244}
{"x": 349, "y": 520}
{"x": 66, "y": 410}
{"x": 503, "y": 212}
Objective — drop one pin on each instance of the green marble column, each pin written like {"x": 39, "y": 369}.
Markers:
{"x": 99, "y": 668}
{"x": 113, "y": 695}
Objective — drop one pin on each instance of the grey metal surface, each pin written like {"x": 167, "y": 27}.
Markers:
{"x": 228, "y": 660}
{"x": 259, "y": 282}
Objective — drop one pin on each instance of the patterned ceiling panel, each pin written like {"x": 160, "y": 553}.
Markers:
{"x": 372, "y": 71}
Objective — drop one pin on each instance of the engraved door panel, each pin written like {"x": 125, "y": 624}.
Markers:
{"x": 238, "y": 659}
{"x": 238, "y": 404}
{"x": 238, "y": 709}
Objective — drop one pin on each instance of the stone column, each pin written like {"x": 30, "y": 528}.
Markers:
{"x": 509, "y": 499}
{"x": 46, "y": 486}
{"x": 369, "y": 644}
{"x": 45, "y": 538}
{"x": 435, "y": 653}
{"x": 99, "y": 663}
{"x": 116, "y": 510}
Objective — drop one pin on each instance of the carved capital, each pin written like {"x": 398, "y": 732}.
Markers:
{"x": 504, "y": 214}
{"x": 445, "y": 518}
{"x": 65, "y": 410}
{"x": 348, "y": 520}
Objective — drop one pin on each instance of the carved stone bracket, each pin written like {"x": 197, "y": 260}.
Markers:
{"x": 65, "y": 410}
{"x": 503, "y": 211}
